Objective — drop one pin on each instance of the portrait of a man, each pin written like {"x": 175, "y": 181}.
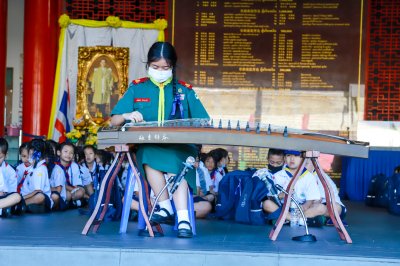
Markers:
{"x": 102, "y": 80}
{"x": 102, "y": 83}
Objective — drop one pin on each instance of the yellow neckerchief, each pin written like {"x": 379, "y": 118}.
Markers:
{"x": 303, "y": 173}
{"x": 161, "y": 98}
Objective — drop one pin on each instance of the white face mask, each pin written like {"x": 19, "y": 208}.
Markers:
{"x": 159, "y": 75}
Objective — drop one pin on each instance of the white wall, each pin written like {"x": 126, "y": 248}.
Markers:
{"x": 15, "y": 45}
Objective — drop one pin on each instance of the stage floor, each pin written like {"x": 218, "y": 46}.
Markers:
{"x": 56, "y": 239}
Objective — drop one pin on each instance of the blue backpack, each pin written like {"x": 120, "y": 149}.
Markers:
{"x": 249, "y": 210}
{"x": 229, "y": 193}
{"x": 394, "y": 194}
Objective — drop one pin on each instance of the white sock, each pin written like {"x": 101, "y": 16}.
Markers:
{"x": 183, "y": 215}
{"x": 166, "y": 204}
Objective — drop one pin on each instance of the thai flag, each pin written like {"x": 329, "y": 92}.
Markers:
{"x": 62, "y": 124}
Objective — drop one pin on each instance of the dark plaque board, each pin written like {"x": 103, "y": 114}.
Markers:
{"x": 268, "y": 44}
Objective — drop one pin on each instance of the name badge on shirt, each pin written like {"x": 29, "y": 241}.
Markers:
{"x": 142, "y": 100}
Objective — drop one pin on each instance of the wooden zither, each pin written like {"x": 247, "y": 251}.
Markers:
{"x": 202, "y": 131}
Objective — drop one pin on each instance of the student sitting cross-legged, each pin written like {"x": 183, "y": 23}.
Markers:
{"x": 36, "y": 187}
{"x": 338, "y": 204}
{"x": 306, "y": 191}
{"x": 8, "y": 192}
{"x": 66, "y": 181}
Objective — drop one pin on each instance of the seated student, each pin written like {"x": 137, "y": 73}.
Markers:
{"x": 8, "y": 171}
{"x": 8, "y": 182}
{"x": 24, "y": 167}
{"x": 210, "y": 162}
{"x": 340, "y": 207}
{"x": 36, "y": 186}
{"x": 66, "y": 181}
{"x": 202, "y": 205}
{"x": 221, "y": 156}
{"x": 89, "y": 168}
{"x": 7, "y": 200}
{"x": 306, "y": 191}
{"x": 275, "y": 159}
{"x": 51, "y": 157}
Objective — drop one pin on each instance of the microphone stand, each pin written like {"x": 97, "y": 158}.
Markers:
{"x": 304, "y": 238}
{"x": 176, "y": 179}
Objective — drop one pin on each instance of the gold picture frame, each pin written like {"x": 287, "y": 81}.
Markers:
{"x": 102, "y": 80}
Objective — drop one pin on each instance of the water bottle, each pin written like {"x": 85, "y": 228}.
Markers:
{"x": 294, "y": 214}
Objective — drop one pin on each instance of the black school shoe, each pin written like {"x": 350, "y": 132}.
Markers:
{"x": 159, "y": 219}
{"x": 183, "y": 232}
{"x": 6, "y": 212}
{"x": 317, "y": 221}
{"x": 36, "y": 208}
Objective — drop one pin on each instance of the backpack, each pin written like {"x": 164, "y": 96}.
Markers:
{"x": 377, "y": 195}
{"x": 114, "y": 210}
{"x": 229, "y": 193}
{"x": 249, "y": 209}
{"x": 394, "y": 194}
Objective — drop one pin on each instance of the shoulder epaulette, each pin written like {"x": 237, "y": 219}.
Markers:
{"x": 138, "y": 81}
{"x": 187, "y": 85}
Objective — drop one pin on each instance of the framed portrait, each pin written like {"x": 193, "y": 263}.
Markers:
{"x": 102, "y": 80}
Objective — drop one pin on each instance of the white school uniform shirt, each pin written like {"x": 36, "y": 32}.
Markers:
{"x": 3, "y": 183}
{"x": 86, "y": 174}
{"x": 207, "y": 176}
{"x": 37, "y": 179}
{"x": 58, "y": 178}
{"x": 216, "y": 177}
{"x": 335, "y": 191}
{"x": 306, "y": 187}
{"x": 21, "y": 168}
{"x": 10, "y": 176}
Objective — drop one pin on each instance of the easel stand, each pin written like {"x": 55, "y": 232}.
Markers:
{"x": 330, "y": 198}
{"x": 108, "y": 180}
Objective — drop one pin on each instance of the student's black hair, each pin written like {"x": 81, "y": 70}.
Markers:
{"x": 275, "y": 152}
{"x": 3, "y": 145}
{"x": 90, "y": 147}
{"x": 203, "y": 156}
{"x": 66, "y": 143}
{"x": 79, "y": 155}
{"x": 52, "y": 144}
{"x": 24, "y": 146}
{"x": 105, "y": 157}
{"x": 51, "y": 156}
{"x": 219, "y": 153}
{"x": 40, "y": 150}
{"x": 160, "y": 50}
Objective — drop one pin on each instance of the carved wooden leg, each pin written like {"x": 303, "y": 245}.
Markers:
{"x": 285, "y": 208}
{"x": 330, "y": 201}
